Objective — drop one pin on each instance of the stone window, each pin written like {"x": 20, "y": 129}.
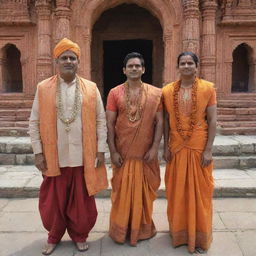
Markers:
{"x": 242, "y": 69}
{"x": 11, "y": 69}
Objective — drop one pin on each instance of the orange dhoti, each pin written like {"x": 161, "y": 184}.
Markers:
{"x": 133, "y": 193}
{"x": 189, "y": 186}
{"x": 135, "y": 183}
{"x": 189, "y": 189}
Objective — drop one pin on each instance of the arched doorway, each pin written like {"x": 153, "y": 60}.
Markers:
{"x": 242, "y": 69}
{"x": 121, "y": 30}
{"x": 11, "y": 69}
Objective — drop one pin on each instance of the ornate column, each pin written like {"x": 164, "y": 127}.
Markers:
{"x": 87, "y": 38}
{"x": 44, "y": 56}
{"x": 191, "y": 30}
{"x": 208, "y": 48}
{"x": 167, "y": 57}
{"x": 63, "y": 14}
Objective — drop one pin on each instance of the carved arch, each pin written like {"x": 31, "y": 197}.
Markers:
{"x": 11, "y": 69}
{"x": 168, "y": 13}
{"x": 243, "y": 68}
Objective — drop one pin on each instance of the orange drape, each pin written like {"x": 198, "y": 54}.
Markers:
{"x": 95, "y": 178}
{"x": 189, "y": 187}
{"x": 134, "y": 185}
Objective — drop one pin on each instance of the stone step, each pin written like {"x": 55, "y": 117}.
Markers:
{"x": 13, "y": 131}
{"x": 23, "y": 124}
{"x": 236, "y": 118}
{"x": 237, "y": 131}
{"x": 18, "y": 150}
{"x": 24, "y": 181}
{"x": 237, "y": 103}
{"x": 220, "y": 162}
{"x": 15, "y": 103}
{"x": 230, "y": 124}
{"x": 236, "y": 111}
{"x": 15, "y": 112}
{"x": 239, "y": 96}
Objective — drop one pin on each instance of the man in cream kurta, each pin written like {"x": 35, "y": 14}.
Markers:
{"x": 58, "y": 127}
{"x": 70, "y": 148}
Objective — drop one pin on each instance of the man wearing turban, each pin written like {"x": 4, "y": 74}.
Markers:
{"x": 68, "y": 134}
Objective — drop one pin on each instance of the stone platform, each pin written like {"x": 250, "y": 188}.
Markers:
{"x": 234, "y": 173}
{"x": 22, "y": 233}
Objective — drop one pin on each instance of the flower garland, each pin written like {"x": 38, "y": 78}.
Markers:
{"x": 185, "y": 135}
{"x": 75, "y": 109}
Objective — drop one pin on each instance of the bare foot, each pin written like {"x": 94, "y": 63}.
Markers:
{"x": 199, "y": 250}
{"x": 82, "y": 247}
{"x": 48, "y": 249}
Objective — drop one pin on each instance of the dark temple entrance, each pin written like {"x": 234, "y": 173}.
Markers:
{"x": 119, "y": 31}
{"x": 114, "y": 54}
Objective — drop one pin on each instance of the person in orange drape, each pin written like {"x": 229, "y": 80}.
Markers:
{"x": 135, "y": 124}
{"x": 190, "y": 127}
{"x": 68, "y": 134}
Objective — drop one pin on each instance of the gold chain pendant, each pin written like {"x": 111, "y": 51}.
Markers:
{"x": 67, "y": 128}
{"x": 185, "y": 95}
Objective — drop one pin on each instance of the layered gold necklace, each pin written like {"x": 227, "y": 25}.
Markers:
{"x": 75, "y": 109}
{"x": 131, "y": 115}
{"x": 185, "y": 134}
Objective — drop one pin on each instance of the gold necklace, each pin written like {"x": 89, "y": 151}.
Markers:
{"x": 75, "y": 109}
{"x": 185, "y": 95}
{"x": 137, "y": 115}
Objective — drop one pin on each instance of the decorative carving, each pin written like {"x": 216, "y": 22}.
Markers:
{"x": 62, "y": 14}
{"x": 191, "y": 34}
{"x": 238, "y": 10}
{"x": 43, "y": 8}
{"x": 13, "y": 12}
{"x": 44, "y": 65}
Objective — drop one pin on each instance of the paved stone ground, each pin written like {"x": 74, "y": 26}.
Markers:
{"x": 22, "y": 234}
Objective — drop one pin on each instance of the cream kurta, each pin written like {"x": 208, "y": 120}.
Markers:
{"x": 70, "y": 149}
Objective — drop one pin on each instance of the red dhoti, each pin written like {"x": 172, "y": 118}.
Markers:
{"x": 64, "y": 204}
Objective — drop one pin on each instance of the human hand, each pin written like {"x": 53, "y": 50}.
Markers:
{"x": 167, "y": 155}
{"x": 116, "y": 159}
{"x": 206, "y": 158}
{"x": 100, "y": 156}
{"x": 151, "y": 155}
{"x": 40, "y": 162}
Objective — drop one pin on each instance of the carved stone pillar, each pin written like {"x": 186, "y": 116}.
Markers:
{"x": 86, "y": 56}
{"x": 63, "y": 14}
{"x": 167, "y": 58}
{"x": 191, "y": 30}
{"x": 208, "y": 48}
{"x": 226, "y": 87}
{"x": 44, "y": 56}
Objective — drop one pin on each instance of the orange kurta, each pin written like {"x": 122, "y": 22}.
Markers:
{"x": 189, "y": 187}
{"x": 95, "y": 178}
{"x": 134, "y": 185}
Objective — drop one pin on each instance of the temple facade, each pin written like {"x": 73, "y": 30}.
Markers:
{"x": 221, "y": 32}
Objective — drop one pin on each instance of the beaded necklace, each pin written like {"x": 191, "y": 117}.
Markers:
{"x": 185, "y": 135}
{"x": 137, "y": 115}
{"x": 75, "y": 109}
